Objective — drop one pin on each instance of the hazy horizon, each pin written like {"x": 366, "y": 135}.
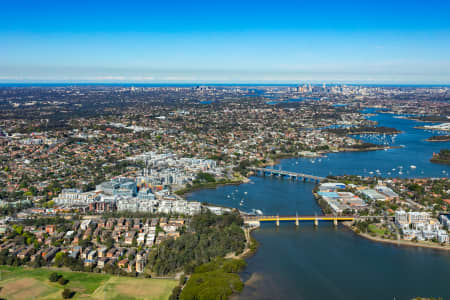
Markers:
{"x": 405, "y": 42}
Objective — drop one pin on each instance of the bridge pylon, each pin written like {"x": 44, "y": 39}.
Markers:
{"x": 335, "y": 221}
{"x": 316, "y": 221}
{"x": 297, "y": 223}
{"x": 278, "y": 220}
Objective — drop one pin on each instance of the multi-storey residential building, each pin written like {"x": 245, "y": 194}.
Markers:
{"x": 401, "y": 218}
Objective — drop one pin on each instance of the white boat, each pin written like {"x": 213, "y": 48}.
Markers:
{"x": 412, "y": 166}
{"x": 245, "y": 193}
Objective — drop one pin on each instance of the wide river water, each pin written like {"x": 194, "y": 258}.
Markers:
{"x": 328, "y": 263}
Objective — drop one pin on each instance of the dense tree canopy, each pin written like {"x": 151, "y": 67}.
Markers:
{"x": 210, "y": 236}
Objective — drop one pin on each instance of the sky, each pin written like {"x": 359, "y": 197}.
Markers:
{"x": 230, "y": 41}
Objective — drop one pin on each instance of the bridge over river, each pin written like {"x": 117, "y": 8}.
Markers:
{"x": 288, "y": 174}
{"x": 256, "y": 220}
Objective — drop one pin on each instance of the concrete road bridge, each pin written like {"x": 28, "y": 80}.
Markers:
{"x": 256, "y": 220}
{"x": 288, "y": 174}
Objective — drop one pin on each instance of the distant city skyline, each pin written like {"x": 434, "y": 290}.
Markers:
{"x": 406, "y": 42}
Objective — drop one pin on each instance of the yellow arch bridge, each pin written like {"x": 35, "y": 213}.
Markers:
{"x": 256, "y": 220}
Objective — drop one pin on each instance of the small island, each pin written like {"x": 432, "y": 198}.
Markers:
{"x": 439, "y": 138}
{"x": 443, "y": 157}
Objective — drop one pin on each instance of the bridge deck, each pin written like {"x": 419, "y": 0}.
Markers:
{"x": 294, "y": 218}
{"x": 287, "y": 173}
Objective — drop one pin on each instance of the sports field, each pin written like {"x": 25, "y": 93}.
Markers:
{"x": 19, "y": 283}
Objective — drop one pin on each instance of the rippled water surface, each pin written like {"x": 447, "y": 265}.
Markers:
{"x": 328, "y": 263}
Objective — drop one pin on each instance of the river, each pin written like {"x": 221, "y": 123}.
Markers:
{"x": 325, "y": 263}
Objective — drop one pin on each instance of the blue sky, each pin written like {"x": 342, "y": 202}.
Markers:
{"x": 225, "y": 41}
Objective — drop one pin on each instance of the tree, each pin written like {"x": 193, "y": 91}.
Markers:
{"x": 62, "y": 281}
{"x": 59, "y": 258}
{"x": 175, "y": 293}
{"x": 109, "y": 242}
{"x": 54, "y": 277}
{"x": 211, "y": 236}
{"x": 67, "y": 293}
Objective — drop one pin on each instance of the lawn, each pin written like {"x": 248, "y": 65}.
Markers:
{"x": 378, "y": 231}
{"x": 122, "y": 288}
{"x": 20, "y": 283}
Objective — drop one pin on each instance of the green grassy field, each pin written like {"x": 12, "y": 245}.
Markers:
{"x": 19, "y": 283}
{"x": 378, "y": 231}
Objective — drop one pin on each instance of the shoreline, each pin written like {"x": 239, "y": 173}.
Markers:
{"x": 437, "y": 141}
{"x": 375, "y": 132}
{"x": 404, "y": 243}
{"x": 321, "y": 153}
{"x": 438, "y": 138}
{"x": 250, "y": 240}
{"x": 367, "y": 236}
{"x": 426, "y": 121}
{"x": 250, "y": 247}
{"x": 213, "y": 185}
{"x": 431, "y": 128}
{"x": 368, "y": 149}
{"x": 440, "y": 162}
